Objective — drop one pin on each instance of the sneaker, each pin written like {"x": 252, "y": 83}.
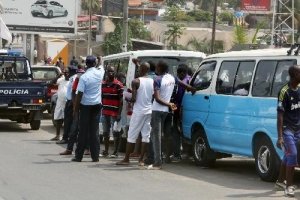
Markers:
{"x": 154, "y": 167}
{"x": 290, "y": 191}
{"x": 280, "y": 185}
{"x": 113, "y": 155}
{"x": 104, "y": 154}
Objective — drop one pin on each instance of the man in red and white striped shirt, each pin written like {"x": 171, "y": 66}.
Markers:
{"x": 112, "y": 102}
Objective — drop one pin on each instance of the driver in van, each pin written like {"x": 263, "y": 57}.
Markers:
{"x": 288, "y": 127}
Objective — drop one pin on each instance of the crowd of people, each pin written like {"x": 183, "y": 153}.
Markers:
{"x": 86, "y": 95}
{"x": 92, "y": 94}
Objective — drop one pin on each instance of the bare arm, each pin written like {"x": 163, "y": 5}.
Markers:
{"x": 135, "y": 86}
{"x": 279, "y": 128}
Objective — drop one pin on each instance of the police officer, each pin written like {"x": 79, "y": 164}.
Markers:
{"x": 88, "y": 104}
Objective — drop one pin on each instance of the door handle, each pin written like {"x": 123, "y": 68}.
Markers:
{"x": 206, "y": 97}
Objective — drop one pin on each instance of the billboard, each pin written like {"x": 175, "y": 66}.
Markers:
{"x": 40, "y": 16}
{"x": 256, "y": 5}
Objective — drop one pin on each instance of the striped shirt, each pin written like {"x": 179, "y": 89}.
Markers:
{"x": 112, "y": 94}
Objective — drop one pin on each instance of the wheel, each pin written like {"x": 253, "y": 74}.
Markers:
{"x": 34, "y": 14}
{"x": 35, "y": 124}
{"x": 267, "y": 162}
{"x": 66, "y": 13}
{"x": 202, "y": 153}
{"x": 50, "y": 14}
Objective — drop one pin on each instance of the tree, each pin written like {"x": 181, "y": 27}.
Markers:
{"x": 175, "y": 13}
{"x": 85, "y": 5}
{"x": 175, "y": 2}
{"x": 175, "y": 29}
{"x": 174, "y": 32}
{"x": 139, "y": 30}
{"x": 113, "y": 41}
{"x": 204, "y": 45}
{"x": 240, "y": 35}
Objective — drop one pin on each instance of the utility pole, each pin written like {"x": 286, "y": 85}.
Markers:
{"x": 213, "y": 34}
{"x": 90, "y": 29}
{"x": 125, "y": 25}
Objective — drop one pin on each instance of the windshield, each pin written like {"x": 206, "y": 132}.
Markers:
{"x": 173, "y": 62}
{"x": 12, "y": 68}
{"x": 44, "y": 74}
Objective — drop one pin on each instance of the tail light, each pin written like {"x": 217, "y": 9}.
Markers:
{"x": 51, "y": 90}
{"x": 37, "y": 101}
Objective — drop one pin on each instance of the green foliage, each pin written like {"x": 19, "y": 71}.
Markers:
{"x": 174, "y": 13}
{"x": 175, "y": 2}
{"x": 204, "y": 45}
{"x": 113, "y": 41}
{"x": 201, "y": 15}
{"x": 85, "y": 4}
{"x": 240, "y": 35}
{"x": 259, "y": 26}
{"x": 139, "y": 30}
{"x": 226, "y": 17}
{"x": 174, "y": 32}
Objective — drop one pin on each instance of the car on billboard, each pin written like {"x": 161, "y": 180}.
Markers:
{"x": 48, "y": 9}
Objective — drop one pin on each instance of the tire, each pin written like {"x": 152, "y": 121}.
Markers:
{"x": 50, "y": 14}
{"x": 267, "y": 162}
{"x": 35, "y": 124}
{"x": 66, "y": 13}
{"x": 202, "y": 154}
{"x": 34, "y": 14}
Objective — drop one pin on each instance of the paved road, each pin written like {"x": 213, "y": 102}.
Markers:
{"x": 31, "y": 169}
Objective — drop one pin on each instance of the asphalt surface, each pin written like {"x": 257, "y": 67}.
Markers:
{"x": 31, "y": 169}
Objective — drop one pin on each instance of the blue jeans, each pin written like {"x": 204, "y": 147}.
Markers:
{"x": 290, "y": 139}
{"x": 157, "y": 122}
{"x": 88, "y": 131}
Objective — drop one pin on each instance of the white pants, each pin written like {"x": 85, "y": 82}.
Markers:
{"x": 139, "y": 123}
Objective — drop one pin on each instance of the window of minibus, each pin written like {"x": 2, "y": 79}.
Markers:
{"x": 203, "y": 77}
{"x": 270, "y": 77}
{"x": 235, "y": 77}
{"x": 173, "y": 62}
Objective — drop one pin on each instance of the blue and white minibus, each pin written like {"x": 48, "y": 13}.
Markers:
{"x": 234, "y": 111}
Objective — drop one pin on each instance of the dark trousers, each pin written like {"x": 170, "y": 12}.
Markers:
{"x": 68, "y": 118}
{"x": 73, "y": 134}
{"x": 172, "y": 135}
{"x": 88, "y": 131}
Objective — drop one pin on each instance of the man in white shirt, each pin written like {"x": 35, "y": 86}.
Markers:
{"x": 163, "y": 89}
{"x": 62, "y": 83}
{"x": 142, "y": 95}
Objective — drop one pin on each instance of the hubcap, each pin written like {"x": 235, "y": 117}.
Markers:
{"x": 199, "y": 148}
{"x": 263, "y": 159}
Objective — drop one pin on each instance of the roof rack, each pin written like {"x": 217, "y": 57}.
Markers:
{"x": 294, "y": 46}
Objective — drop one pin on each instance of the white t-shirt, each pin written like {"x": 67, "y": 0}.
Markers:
{"x": 143, "y": 103}
{"x": 62, "y": 89}
{"x": 165, "y": 85}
